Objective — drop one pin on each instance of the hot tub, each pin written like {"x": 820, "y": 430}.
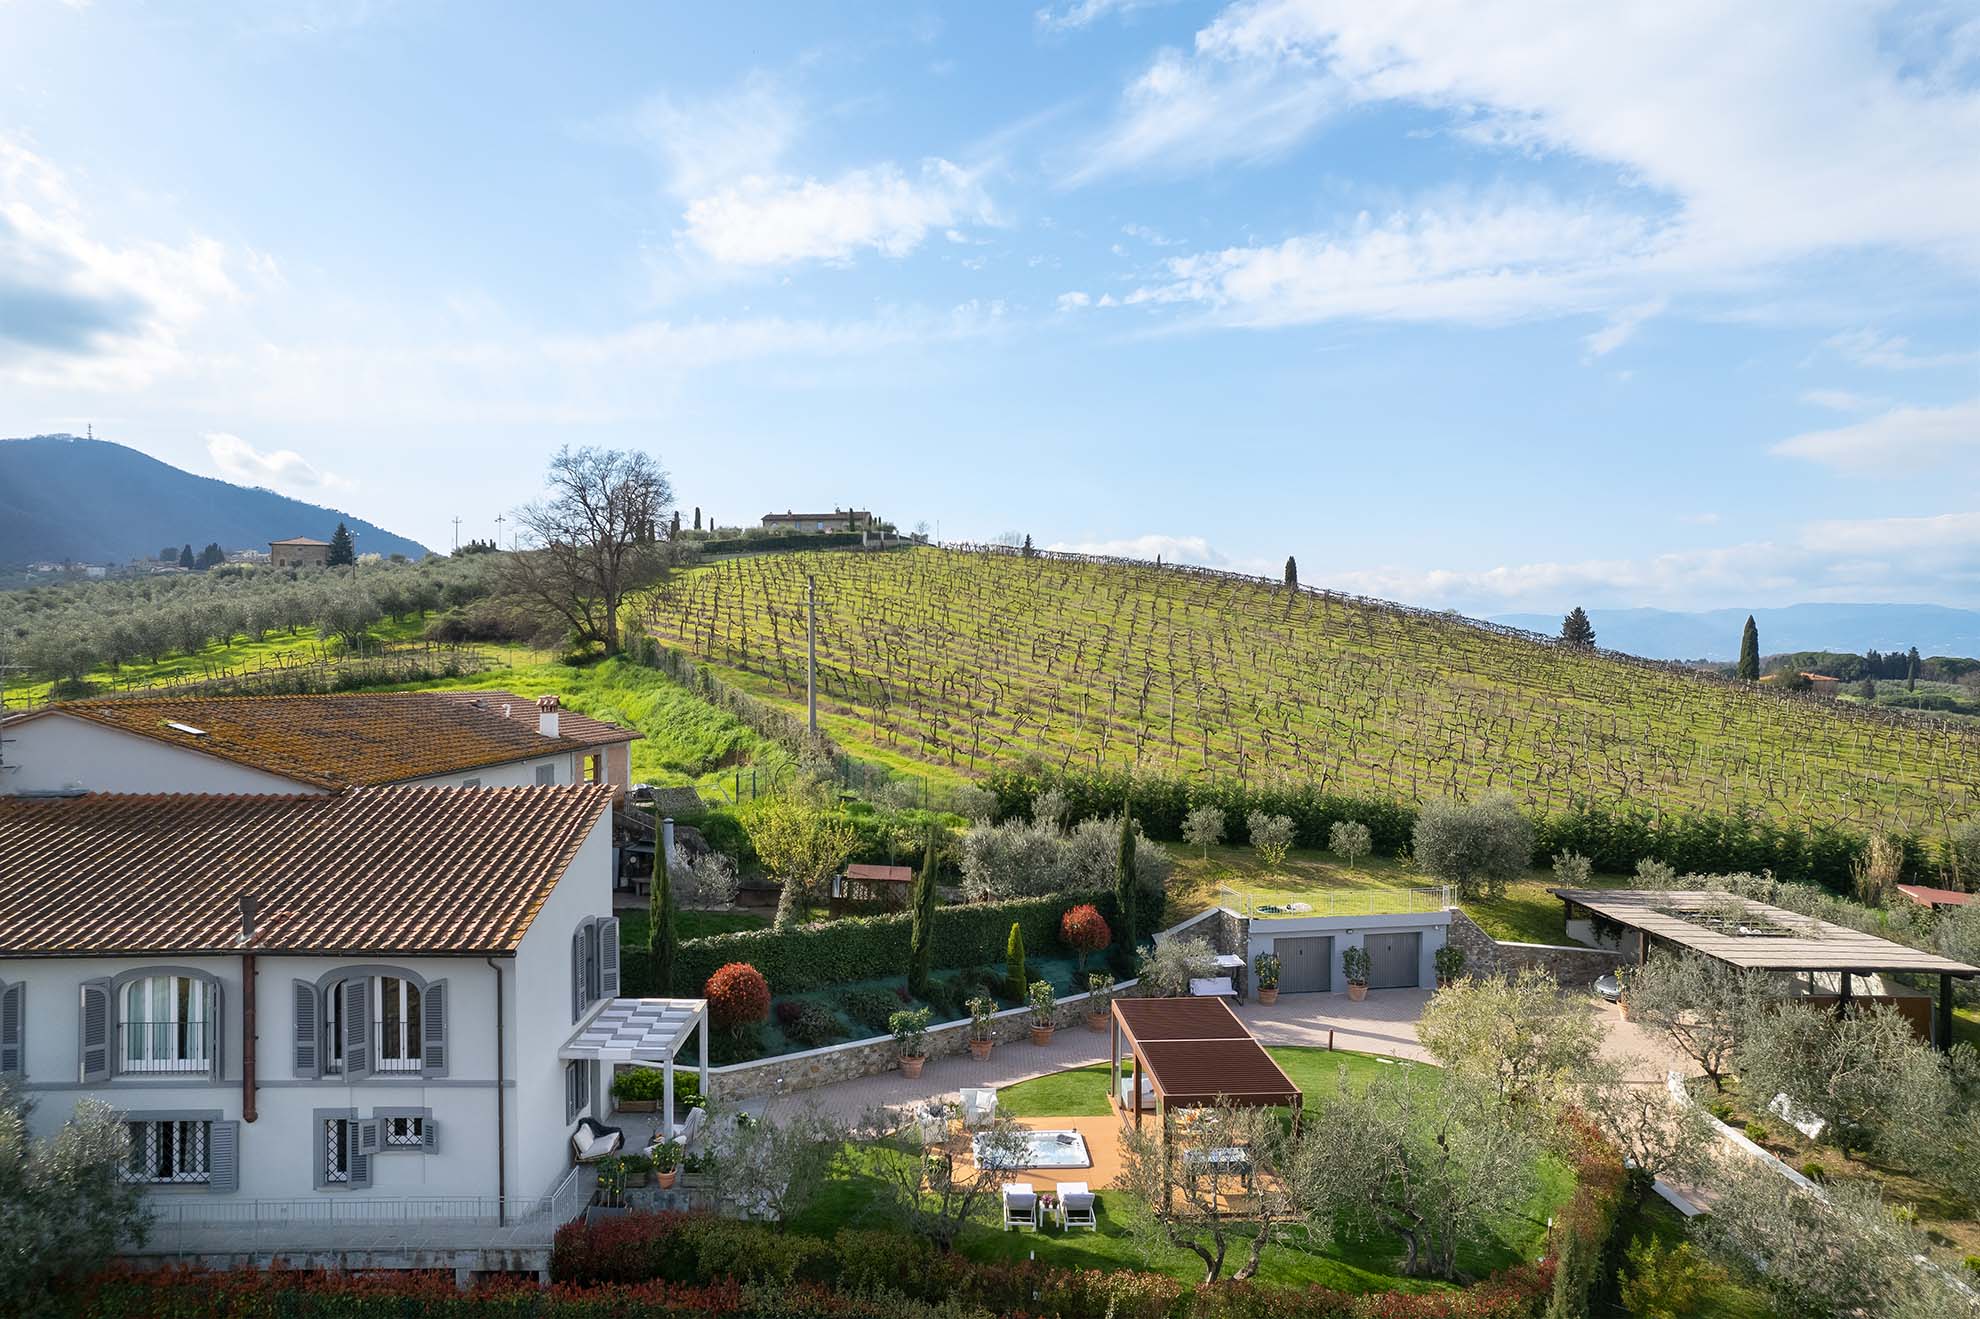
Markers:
{"x": 1045, "y": 1149}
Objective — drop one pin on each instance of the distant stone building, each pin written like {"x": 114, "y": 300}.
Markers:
{"x": 299, "y": 552}
{"x": 839, "y": 519}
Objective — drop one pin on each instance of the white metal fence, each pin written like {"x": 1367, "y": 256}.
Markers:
{"x": 1419, "y": 901}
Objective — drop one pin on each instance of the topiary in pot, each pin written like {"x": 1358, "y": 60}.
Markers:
{"x": 1099, "y": 1000}
{"x": 1266, "y": 967}
{"x": 910, "y": 1031}
{"x": 1042, "y": 1001}
{"x": 982, "y": 1011}
{"x": 1355, "y": 967}
{"x": 1450, "y": 964}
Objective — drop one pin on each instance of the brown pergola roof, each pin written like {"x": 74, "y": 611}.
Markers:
{"x": 1777, "y": 940}
{"x": 1195, "y": 1052}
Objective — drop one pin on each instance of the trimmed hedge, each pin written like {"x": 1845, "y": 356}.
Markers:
{"x": 1586, "y": 1250}
{"x": 864, "y": 947}
{"x": 1615, "y": 838}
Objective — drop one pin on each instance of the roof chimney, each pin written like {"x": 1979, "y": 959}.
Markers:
{"x": 247, "y": 918}
{"x": 546, "y": 715}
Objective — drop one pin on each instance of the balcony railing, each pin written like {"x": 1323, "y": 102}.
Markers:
{"x": 151, "y": 1047}
{"x": 395, "y": 1046}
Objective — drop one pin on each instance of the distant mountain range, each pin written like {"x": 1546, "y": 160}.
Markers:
{"x": 91, "y": 501}
{"x": 1714, "y": 634}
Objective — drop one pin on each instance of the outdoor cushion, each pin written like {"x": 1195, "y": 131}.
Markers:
{"x": 1219, "y": 987}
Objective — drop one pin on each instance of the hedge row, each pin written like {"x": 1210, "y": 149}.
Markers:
{"x": 807, "y": 540}
{"x": 853, "y": 948}
{"x": 681, "y": 1247}
{"x": 1615, "y": 838}
{"x": 1585, "y": 1247}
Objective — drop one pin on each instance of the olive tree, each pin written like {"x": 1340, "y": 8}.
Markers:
{"x": 1167, "y": 971}
{"x": 1475, "y": 846}
{"x": 1519, "y": 1039}
{"x": 934, "y": 1187}
{"x": 770, "y": 1166}
{"x": 1863, "y": 1073}
{"x": 1272, "y": 835}
{"x": 1349, "y": 840}
{"x": 1194, "y": 1206}
{"x": 1203, "y": 828}
{"x": 1700, "y": 1003}
{"x": 64, "y": 1204}
{"x": 1628, "y": 1102}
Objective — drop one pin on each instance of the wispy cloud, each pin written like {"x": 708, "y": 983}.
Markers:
{"x": 1621, "y": 328}
{"x": 1906, "y": 435}
{"x": 1843, "y": 400}
{"x": 1072, "y": 15}
{"x": 277, "y": 469}
{"x": 1196, "y": 550}
{"x": 1891, "y": 352}
{"x": 782, "y": 220}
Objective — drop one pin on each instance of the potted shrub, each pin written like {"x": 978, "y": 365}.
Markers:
{"x": 1266, "y": 967}
{"x": 637, "y": 1167}
{"x": 1099, "y": 1000}
{"x": 667, "y": 1163}
{"x": 910, "y": 1030}
{"x": 981, "y": 1010}
{"x": 610, "y": 1198}
{"x": 1354, "y": 965}
{"x": 1450, "y": 965}
{"x": 638, "y": 1089}
{"x": 1042, "y": 1001}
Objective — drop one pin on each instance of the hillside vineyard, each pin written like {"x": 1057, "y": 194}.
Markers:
{"x": 975, "y": 658}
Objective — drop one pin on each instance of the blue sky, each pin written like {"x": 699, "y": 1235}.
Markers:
{"x": 1485, "y": 306}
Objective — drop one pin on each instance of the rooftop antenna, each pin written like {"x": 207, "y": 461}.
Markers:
{"x": 499, "y": 520}
{"x": 457, "y": 533}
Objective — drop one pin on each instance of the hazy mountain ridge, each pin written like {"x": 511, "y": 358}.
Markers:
{"x": 92, "y": 501}
{"x": 1713, "y": 634}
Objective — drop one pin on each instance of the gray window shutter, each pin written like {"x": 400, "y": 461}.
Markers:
{"x": 216, "y": 1022}
{"x": 223, "y": 1156}
{"x": 577, "y": 974}
{"x": 308, "y": 1032}
{"x": 13, "y": 1028}
{"x": 369, "y": 1135}
{"x": 430, "y": 1130}
{"x": 608, "y": 957}
{"x": 357, "y": 1027}
{"x": 360, "y": 1155}
{"x": 96, "y": 1017}
{"x": 433, "y": 1028}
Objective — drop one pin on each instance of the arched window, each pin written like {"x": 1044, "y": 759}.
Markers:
{"x": 365, "y": 1021}
{"x": 154, "y": 1021}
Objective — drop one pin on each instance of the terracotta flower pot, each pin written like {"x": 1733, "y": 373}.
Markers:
{"x": 1267, "y": 997}
{"x": 1357, "y": 992}
{"x": 1041, "y": 1035}
{"x": 666, "y": 1180}
{"x": 980, "y": 1049}
{"x": 911, "y": 1067}
{"x": 1443, "y": 981}
{"x": 1097, "y": 1021}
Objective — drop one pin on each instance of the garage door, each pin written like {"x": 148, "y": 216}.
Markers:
{"x": 1306, "y": 966}
{"x": 1394, "y": 960}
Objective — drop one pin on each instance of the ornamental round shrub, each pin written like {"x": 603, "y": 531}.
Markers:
{"x": 1084, "y": 930}
{"x": 737, "y": 995}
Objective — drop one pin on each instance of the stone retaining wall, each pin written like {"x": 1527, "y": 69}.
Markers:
{"x": 1572, "y": 965}
{"x": 843, "y": 1062}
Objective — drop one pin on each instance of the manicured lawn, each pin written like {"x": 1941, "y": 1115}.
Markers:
{"x": 689, "y": 925}
{"x": 1525, "y": 913}
{"x": 1352, "y": 1264}
{"x": 1655, "y": 1220}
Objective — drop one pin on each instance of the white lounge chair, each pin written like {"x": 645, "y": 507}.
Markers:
{"x": 979, "y": 1106}
{"x": 1076, "y": 1207}
{"x": 593, "y": 1141}
{"x": 1020, "y": 1207}
{"x": 1213, "y": 987}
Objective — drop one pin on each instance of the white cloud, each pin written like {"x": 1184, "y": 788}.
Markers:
{"x": 278, "y": 469}
{"x": 1905, "y": 435}
{"x": 1622, "y": 327}
{"x": 1950, "y": 532}
{"x": 1475, "y": 261}
{"x": 1170, "y": 549}
{"x": 1074, "y": 300}
{"x": 1842, "y": 400}
{"x": 1074, "y": 14}
{"x": 708, "y": 143}
{"x": 782, "y": 220}
{"x": 1891, "y": 352}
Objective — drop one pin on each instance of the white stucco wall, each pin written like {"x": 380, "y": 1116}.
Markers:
{"x": 1350, "y": 932}
{"x": 515, "y": 774}
{"x": 59, "y": 751}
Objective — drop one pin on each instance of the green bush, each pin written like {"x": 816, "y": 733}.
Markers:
{"x": 871, "y": 1008}
{"x": 1813, "y": 1170}
{"x": 639, "y": 1084}
{"x": 831, "y": 953}
{"x": 807, "y": 1023}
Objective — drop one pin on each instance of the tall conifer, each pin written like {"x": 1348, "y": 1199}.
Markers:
{"x": 1749, "y": 651}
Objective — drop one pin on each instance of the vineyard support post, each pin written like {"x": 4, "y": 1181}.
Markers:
{"x": 811, "y": 654}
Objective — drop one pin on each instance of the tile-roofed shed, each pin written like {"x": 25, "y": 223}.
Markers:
{"x": 399, "y": 871}
{"x": 346, "y": 739}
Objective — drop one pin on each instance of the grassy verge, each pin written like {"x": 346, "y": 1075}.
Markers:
{"x": 1356, "y": 1264}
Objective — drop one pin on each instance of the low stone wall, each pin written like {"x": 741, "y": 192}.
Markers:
{"x": 842, "y": 1062}
{"x": 1571, "y": 964}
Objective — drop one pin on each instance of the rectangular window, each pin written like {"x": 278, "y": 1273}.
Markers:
{"x": 337, "y": 1151}
{"x": 164, "y": 1025}
{"x": 577, "y": 1089}
{"x": 333, "y": 1029}
{"x": 546, "y": 775}
{"x": 405, "y": 1132}
{"x": 167, "y": 1153}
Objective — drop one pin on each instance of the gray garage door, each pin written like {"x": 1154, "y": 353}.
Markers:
{"x": 1394, "y": 960}
{"x": 1306, "y": 966}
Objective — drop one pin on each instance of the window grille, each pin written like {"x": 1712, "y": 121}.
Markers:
{"x": 169, "y": 1152}
{"x": 408, "y": 1132}
{"x": 397, "y": 1028}
{"x": 336, "y": 1150}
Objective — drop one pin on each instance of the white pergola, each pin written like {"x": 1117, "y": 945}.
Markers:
{"x": 642, "y": 1030}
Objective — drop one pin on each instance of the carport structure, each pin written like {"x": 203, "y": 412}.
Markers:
{"x": 1756, "y": 936}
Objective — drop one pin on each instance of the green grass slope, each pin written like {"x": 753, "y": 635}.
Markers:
{"x": 960, "y": 661}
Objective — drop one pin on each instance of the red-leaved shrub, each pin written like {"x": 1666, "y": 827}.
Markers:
{"x": 1084, "y": 930}
{"x": 737, "y": 995}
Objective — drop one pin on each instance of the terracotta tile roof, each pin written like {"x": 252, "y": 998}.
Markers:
{"x": 571, "y": 725}
{"x": 401, "y": 871}
{"x": 301, "y": 540}
{"x": 343, "y": 740}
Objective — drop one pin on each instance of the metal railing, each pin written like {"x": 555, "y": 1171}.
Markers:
{"x": 164, "y": 1046}
{"x": 1418, "y": 901}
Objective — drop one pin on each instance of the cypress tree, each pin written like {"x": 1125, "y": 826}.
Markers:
{"x": 660, "y": 935}
{"x": 1125, "y": 897}
{"x": 1292, "y": 573}
{"x": 921, "y": 941}
{"x": 343, "y": 550}
{"x": 1014, "y": 982}
{"x": 697, "y": 517}
{"x": 1576, "y": 630}
{"x": 1911, "y": 670}
{"x": 1749, "y": 651}
{"x": 1027, "y": 544}
{"x": 186, "y": 557}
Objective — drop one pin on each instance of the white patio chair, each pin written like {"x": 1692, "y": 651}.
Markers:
{"x": 1076, "y": 1207}
{"x": 1020, "y": 1207}
{"x": 594, "y": 1140}
{"x": 979, "y": 1105}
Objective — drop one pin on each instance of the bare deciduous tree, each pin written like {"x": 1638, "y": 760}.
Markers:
{"x": 596, "y": 537}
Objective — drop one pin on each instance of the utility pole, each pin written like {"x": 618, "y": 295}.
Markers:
{"x": 457, "y": 533}
{"x": 499, "y": 520}
{"x": 811, "y": 653}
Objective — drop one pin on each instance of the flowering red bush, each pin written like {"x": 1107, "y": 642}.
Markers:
{"x": 1084, "y": 930}
{"x": 737, "y": 995}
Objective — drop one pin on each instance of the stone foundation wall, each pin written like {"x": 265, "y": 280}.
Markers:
{"x": 842, "y": 1062}
{"x": 1573, "y": 966}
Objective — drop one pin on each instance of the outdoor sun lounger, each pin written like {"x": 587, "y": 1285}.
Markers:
{"x": 1147, "y": 1091}
{"x": 1076, "y": 1207}
{"x": 1020, "y": 1206}
{"x": 594, "y": 1140}
{"x": 1217, "y": 987}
